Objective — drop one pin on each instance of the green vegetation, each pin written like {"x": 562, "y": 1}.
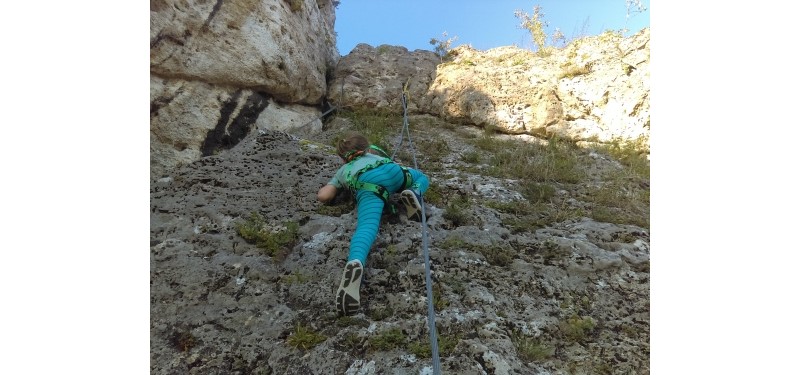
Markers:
{"x": 550, "y": 251}
{"x": 537, "y": 192}
{"x": 453, "y": 243}
{"x": 536, "y": 24}
{"x": 573, "y": 70}
{"x": 446, "y": 344}
{"x": 431, "y": 150}
{"x": 576, "y": 328}
{"x": 496, "y": 255}
{"x": 471, "y": 157}
{"x": 276, "y": 242}
{"x": 442, "y": 47}
{"x": 621, "y": 201}
{"x": 439, "y": 302}
{"x": 305, "y": 338}
{"x": 457, "y": 211}
{"x": 295, "y": 277}
{"x": 457, "y": 284}
{"x": 632, "y": 154}
{"x": 387, "y": 340}
{"x": 295, "y": 5}
{"x": 434, "y": 195}
{"x": 501, "y": 256}
{"x": 624, "y": 197}
{"x": 556, "y": 161}
{"x": 379, "y": 314}
{"x": 347, "y": 321}
{"x": 351, "y": 341}
{"x": 380, "y": 127}
{"x": 531, "y": 349}
{"x": 526, "y": 217}
{"x": 335, "y": 209}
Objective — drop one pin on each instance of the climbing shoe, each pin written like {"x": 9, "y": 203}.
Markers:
{"x": 347, "y": 298}
{"x": 412, "y": 202}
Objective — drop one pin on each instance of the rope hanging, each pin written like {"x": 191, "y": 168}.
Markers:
{"x": 428, "y": 283}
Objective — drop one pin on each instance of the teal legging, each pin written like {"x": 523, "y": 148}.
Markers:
{"x": 370, "y": 206}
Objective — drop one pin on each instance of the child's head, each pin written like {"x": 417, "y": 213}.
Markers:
{"x": 352, "y": 144}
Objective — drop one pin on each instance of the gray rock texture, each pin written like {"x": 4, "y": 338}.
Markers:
{"x": 575, "y": 291}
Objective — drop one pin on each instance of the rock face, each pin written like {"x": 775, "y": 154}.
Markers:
{"x": 280, "y": 47}
{"x": 568, "y": 297}
{"x": 217, "y": 65}
{"x": 595, "y": 89}
{"x": 371, "y": 77}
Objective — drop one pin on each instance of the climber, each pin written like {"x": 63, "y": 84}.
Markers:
{"x": 372, "y": 177}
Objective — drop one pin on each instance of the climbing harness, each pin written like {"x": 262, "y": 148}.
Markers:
{"x": 354, "y": 184}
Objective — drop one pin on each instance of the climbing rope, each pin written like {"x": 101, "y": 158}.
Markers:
{"x": 428, "y": 288}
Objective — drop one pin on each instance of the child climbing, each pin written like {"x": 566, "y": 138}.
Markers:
{"x": 373, "y": 177}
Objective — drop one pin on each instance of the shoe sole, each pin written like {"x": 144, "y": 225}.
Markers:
{"x": 413, "y": 208}
{"x": 348, "y": 300}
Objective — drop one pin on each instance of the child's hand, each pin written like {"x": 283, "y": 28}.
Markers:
{"x": 326, "y": 193}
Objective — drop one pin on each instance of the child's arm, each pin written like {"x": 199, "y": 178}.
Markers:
{"x": 326, "y": 193}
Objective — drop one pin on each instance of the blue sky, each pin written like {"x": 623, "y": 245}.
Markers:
{"x": 484, "y": 24}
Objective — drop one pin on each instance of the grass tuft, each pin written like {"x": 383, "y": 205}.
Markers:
{"x": 274, "y": 241}
{"x": 304, "y": 338}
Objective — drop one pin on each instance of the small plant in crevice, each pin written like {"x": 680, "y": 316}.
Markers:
{"x": 387, "y": 340}
{"x": 439, "y": 302}
{"x": 335, "y": 210}
{"x": 275, "y": 241}
{"x": 457, "y": 284}
{"x": 497, "y": 255}
{"x": 295, "y": 5}
{"x": 445, "y": 342}
{"x": 347, "y": 321}
{"x": 537, "y": 192}
{"x": 510, "y": 207}
{"x": 551, "y": 251}
{"x": 453, "y": 243}
{"x": 304, "y": 338}
{"x": 442, "y": 47}
{"x": 352, "y": 342}
{"x": 184, "y": 340}
{"x": 573, "y": 70}
{"x": 434, "y": 195}
{"x": 295, "y": 277}
{"x": 530, "y": 349}
{"x": 433, "y": 150}
{"x": 457, "y": 212}
{"x": 383, "y": 48}
{"x": 380, "y": 313}
{"x": 535, "y": 24}
{"x": 577, "y": 328}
